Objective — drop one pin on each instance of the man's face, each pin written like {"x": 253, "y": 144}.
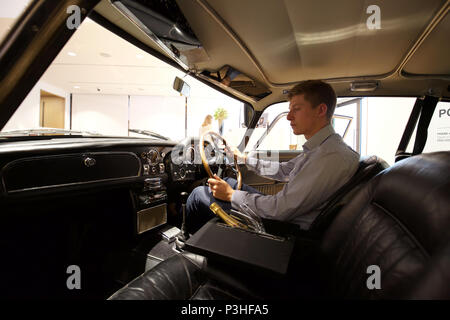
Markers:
{"x": 302, "y": 116}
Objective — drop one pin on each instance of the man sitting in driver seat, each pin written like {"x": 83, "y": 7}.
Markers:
{"x": 325, "y": 165}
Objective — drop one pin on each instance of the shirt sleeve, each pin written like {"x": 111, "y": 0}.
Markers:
{"x": 272, "y": 169}
{"x": 315, "y": 182}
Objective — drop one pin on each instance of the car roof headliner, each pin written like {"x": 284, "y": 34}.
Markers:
{"x": 282, "y": 42}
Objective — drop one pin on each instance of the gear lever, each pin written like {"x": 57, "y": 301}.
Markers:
{"x": 184, "y": 235}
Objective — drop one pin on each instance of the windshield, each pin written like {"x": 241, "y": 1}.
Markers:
{"x": 100, "y": 84}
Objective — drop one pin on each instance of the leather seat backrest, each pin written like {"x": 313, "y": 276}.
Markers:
{"x": 368, "y": 168}
{"x": 398, "y": 222}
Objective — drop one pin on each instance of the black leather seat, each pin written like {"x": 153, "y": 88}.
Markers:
{"x": 398, "y": 222}
{"x": 368, "y": 168}
{"x": 181, "y": 277}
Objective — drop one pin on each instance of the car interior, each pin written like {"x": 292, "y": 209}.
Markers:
{"x": 115, "y": 206}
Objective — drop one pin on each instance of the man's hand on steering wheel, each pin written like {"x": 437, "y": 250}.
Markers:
{"x": 220, "y": 189}
{"x": 220, "y": 159}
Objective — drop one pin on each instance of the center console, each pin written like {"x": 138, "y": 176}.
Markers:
{"x": 150, "y": 203}
{"x": 241, "y": 248}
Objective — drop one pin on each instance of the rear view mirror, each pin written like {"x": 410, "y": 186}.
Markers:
{"x": 182, "y": 87}
{"x": 248, "y": 115}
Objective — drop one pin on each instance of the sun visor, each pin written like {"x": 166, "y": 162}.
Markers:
{"x": 164, "y": 23}
{"x": 236, "y": 80}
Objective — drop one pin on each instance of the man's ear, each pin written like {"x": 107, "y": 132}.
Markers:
{"x": 322, "y": 110}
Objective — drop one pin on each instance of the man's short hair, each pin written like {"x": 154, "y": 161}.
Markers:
{"x": 316, "y": 92}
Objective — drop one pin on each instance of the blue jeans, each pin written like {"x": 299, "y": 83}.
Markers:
{"x": 197, "y": 205}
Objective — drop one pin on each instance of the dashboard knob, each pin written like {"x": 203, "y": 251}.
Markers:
{"x": 89, "y": 162}
{"x": 182, "y": 173}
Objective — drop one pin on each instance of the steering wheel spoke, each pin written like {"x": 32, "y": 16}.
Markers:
{"x": 220, "y": 156}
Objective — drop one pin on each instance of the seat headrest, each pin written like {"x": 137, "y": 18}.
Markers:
{"x": 416, "y": 191}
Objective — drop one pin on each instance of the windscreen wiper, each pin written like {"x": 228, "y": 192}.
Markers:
{"x": 149, "y": 133}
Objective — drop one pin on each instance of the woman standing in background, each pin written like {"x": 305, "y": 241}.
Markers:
{"x": 206, "y": 125}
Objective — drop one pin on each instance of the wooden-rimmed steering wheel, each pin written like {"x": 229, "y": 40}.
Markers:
{"x": 219, "y": 158}
{"x": 238, "y": 219}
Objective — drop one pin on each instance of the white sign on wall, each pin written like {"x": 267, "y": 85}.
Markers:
{"x": 439, "y": 129}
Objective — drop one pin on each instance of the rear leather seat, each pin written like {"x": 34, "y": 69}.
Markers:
{"x": 398, "y": 223}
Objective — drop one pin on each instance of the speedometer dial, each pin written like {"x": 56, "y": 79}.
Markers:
{"x": 152, "y": 156}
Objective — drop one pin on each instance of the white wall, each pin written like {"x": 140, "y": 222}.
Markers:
{"x": 163, "y": 115}
{"x": 27, "y": 115}
{"x": 104, "y": 114}
{"x": 385, "y": 122}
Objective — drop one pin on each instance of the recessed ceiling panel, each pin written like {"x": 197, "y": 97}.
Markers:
{"x": 294, "y": 40}
{"x": 433, "y": 56}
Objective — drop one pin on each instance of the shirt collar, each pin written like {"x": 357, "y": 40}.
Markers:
{"x": 318, "y": 138}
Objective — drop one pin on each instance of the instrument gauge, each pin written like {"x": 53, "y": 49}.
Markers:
{"x": 153, "y": 156}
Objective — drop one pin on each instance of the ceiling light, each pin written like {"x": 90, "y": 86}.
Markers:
{"x": 364, "y": 86}
{"x": 72, "y": 54}
{"x": 139, "y": 56}
{"x": 76, "y": 87}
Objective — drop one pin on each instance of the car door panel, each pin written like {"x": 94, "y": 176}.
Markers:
{"x": 263, "y": 184}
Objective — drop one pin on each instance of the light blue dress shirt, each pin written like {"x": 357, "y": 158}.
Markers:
{"x": 324, "y": 166}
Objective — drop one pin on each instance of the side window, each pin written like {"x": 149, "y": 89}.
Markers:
{"x": 346, "y": 120}
{"x": 281, "y": 137}
{"x": 439, "y": 129}
{"x": 370, "y": 125}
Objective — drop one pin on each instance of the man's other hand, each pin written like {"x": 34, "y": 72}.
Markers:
{"x": 220, "y": 189}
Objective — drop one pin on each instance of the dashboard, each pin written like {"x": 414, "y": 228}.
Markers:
{"x": 52, "y": 164}
{"x": 153, "y": 171}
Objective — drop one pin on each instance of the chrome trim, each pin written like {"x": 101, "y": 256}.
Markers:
{"x": 264, "y": 135}
{"x": 140, "y": 231}
{"x": 56, "y": 186}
